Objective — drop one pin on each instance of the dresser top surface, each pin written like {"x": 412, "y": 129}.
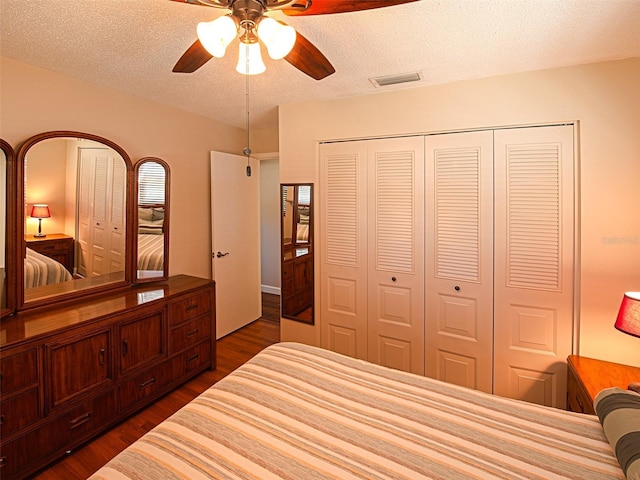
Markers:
{"x": 30, "y": 324}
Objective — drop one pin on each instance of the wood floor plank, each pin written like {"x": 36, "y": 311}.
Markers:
{"x": 232, "y": 351}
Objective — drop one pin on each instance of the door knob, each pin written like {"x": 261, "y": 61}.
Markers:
{"x": 220, "y": 254}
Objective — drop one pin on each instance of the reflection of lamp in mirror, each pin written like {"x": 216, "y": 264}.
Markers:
{"x": 628, "y": 321}
{"x": 40, "y": 211}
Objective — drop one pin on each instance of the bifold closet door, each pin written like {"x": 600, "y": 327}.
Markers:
{"x": 343, "y": 248}
{"x": 459, "y": 258}
{"x": 372, "y": 250}
{"x": 396, "y": 253}
{"x": 534, "y": 262}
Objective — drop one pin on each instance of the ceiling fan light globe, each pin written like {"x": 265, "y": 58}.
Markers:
{"x": 216, "y": 35}
{"x": 254, "y": 65}
{"x": 278, "y": 38}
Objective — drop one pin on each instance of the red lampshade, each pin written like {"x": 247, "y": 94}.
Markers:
{"x": 629, "y": 315}
{"x": 40, "y": 211}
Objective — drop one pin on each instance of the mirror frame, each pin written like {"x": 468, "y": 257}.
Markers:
{"x": 20, "y": 245}
{"x": 289, "y": 249}
{"x": 167, "y": 189}
{"x": 10, "y": 239}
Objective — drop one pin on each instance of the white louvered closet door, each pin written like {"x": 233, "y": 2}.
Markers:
{"x": 116, "y": 224}
{"x": 372, "y": 250}
{"x": 459, "y": 259}
{"x": 534, "y": 262}
{"x": 396, "y": 253}
{"x": 343, "y": 252}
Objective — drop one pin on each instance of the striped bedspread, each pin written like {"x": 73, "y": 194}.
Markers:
{"x": 301, "y": 413}
{"x": 150, "y": 252}
{"x": 40, "y": 270}
{"x": 302, "y": 233}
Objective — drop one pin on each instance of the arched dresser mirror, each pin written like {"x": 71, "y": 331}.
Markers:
{"x": 151, "y": 248}
{"x": 7, "y": 227}
{"x": 75, "y": 217}
{"x": 297, "y": 285}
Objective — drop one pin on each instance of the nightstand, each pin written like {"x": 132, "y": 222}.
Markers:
{"x": 587, "y": 376}
{"x": 55, "y": 245}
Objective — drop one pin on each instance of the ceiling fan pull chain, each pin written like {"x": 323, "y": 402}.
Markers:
{"x": 247, "y": 150}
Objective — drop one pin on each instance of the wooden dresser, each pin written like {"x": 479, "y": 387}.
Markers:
{"x": 587, "y": 376}
{"x": 297, "y": 281}
{"x": 71, "y": 371}
{"x": 55, "y": 245}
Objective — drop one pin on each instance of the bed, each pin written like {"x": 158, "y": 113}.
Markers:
{"x": 302, "y": 413}
{"x": 302, "y": 233}
{"x": 40, "y": 270}
{"x": 150, "y": 251}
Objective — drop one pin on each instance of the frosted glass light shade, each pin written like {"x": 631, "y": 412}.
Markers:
{"x": 255, "y": 65}
{"x": 216, "y": 35}
{"x": 278, "y": 38}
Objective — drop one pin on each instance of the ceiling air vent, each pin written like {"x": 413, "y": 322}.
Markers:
{"x": 396, "y": 79}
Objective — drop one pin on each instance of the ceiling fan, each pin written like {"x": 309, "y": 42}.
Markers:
{"x": 248, "y": 22}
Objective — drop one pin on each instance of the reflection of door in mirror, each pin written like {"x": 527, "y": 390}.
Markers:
{"x": 152, "y": 182}
{"x": 297, "y": 252}
{"x": 84, "y": 184}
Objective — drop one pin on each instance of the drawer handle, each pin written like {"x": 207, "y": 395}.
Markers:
{"x": 192, "y": 358}
{"x": 125, "y": 347}
{"x": 3, "y": 461}
{"x": 191, "y": 307}
{"x": 101, "y": 356}
{"x": 1, "y": 420}
{"x": 144, "y": 385}
{"x": 81, "y": 420}
{"x": 49, "y": 247}
{"x": 192, "y": 332}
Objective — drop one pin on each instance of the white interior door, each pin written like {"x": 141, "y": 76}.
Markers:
{"x": 235, "y": 233}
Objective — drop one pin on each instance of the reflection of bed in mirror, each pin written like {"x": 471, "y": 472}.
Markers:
{"x": 150, "y": 238}
{"x": 40, "y": 270}
{"x": 150, "y": 252}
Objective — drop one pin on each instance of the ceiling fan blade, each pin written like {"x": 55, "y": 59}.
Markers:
{"x": 322, "y": 7}
{"x": 191, "y": 60}
{"x": 306, "y": 57}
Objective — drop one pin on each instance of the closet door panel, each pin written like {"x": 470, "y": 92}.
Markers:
{"x": 534, "y": 262}
{"x": 343, "y": 249}
{"x": 396, "y": 253}
{"x": 459, "y": 258}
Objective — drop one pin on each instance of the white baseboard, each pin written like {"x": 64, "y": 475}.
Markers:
{"x": 270, "y": 289}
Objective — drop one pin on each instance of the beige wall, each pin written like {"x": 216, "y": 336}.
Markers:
{"x": 33, "y": 100}
{"x": 603, "y": 97}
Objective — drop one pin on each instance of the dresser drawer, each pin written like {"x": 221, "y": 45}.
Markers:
{"x": 18, "y": 411}
{"x": 192, "y": 359}
{"x": 19, "y": 370}
{"x": 62, "y": 433}
{"x": 189, "y": 308}
{"x": 189, "y": 333}
{"x": 139, "y": 388}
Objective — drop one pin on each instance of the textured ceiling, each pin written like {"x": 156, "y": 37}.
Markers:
{"x": 132, "y": 45}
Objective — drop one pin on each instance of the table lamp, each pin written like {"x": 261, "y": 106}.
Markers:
{"x": 628, "y": 321}
{"x": 40, "y": 211}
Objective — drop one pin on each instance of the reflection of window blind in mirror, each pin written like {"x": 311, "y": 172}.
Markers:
{"x": 304, "y": 195}
{"x": 151, "y": 180}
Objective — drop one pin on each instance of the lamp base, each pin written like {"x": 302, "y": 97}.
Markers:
{"x": 634, "y": 387}
{"x": 39, "y": 235}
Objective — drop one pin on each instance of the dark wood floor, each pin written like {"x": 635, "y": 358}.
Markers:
{"x": 233, "y": 350}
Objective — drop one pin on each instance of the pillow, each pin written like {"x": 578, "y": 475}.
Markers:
{"x": 619, "y": 414}
{"x": 151, "y": 227}
{"x": 145, "y": 214}
{"x": 158, "y": 213}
